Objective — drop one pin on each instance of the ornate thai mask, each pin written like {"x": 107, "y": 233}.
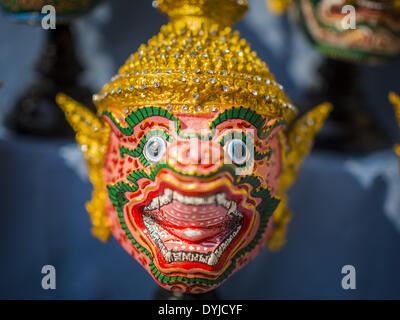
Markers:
{"x": 193, "y": 150}
{"x": 376, "y": 36}
{"x": 395, "y": 100}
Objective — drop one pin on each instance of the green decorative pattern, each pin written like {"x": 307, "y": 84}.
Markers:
{"x": 334, "y": 27}
{"x": 265, "y": 208}
{"x": 117, "y": 191}
{"x": 240, "y": 113}
{"x": 341, "y": 52}
{"x": 235, "y": 113}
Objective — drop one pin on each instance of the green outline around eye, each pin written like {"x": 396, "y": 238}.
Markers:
{"x": 257, "y": 155}
{"x": 138, "y": 151}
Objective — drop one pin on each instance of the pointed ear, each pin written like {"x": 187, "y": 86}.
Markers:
{"x": 300, "y": 137}
{"x": 397, "y": 149}
{"x": 92, "y": 136}
{"x": 395, "y": 100}
{"x": 88, "y": 127}
{"x": 278, "y": 6}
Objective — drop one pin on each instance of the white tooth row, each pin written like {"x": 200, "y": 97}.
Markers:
{"x": 222, "y": 201}
{"x": 159, "y": 201}
{"x": 193, "y": 200}
{"x": 191, "y": 248}
{"x": 222, "y": 247}
{"x": 211, "y": 259}
{"x": 169, "y": 195}
{"x": 180, "y": 256}
{"x": 154, "y": 233}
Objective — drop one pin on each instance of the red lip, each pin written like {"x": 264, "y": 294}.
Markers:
{"x": 197, "y": 233}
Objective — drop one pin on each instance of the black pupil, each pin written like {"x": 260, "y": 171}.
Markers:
{"x": 154, "y": 148}
{"x": 239, "y": 150}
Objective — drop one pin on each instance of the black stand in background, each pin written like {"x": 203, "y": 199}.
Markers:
{"x": 350, "y": 127}
{"x": 162, "y": 294}
{"x": 36, "y": 112}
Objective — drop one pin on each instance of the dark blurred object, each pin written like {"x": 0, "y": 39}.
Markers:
{"x": 162, "y": 294}
{"x": 350, "y": 127}
{"x": 36, "y": 112}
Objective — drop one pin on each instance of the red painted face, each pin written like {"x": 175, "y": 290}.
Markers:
{"x": 190, "y": 197}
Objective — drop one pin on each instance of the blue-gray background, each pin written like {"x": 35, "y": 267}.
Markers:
{"x": 346, "y": 208}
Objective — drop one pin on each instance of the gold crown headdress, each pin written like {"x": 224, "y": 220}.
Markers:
{"x": 195, "y": 65}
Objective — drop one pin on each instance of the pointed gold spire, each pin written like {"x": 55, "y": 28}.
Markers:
{"x": 197, "y": 13}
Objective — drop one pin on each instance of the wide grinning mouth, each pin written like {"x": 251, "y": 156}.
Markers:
{"x": 193, "y": 229}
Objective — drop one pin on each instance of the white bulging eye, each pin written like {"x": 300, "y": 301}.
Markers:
{"x": 154, "y": 149}
{"x": 237, "y": 151}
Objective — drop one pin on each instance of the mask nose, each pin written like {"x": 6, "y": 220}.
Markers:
{"x": 196, "y": 153}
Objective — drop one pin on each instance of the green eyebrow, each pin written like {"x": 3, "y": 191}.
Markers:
{"x": 138, "y": 116}
{"x": 234, "y": 113}
{"x": 251, "y": 117}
